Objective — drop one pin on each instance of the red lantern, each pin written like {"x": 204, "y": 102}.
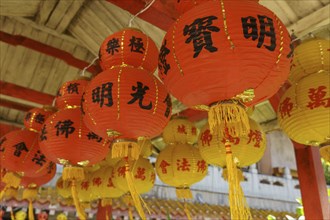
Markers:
{"x": 70, "y": 93}
{"x": 34, "y": 118}
{"x": 128, "y": 47}
{"x": 65, "y": 139}
{"x": 225, "y": 51}
{"x": 21, "y": 153}
{"x": 31, "y": 182}
{"x": 126, "y": 103}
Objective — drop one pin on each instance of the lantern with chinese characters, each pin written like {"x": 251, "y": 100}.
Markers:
{"x": 63, "y": 188}
{"x": 84, "y": 189}
{"x": 128, "y": 47}
{"x": 246, "y": 149}
{"x": 35, "y": 118}
{"x": 137, "y": 177}
{"x": 325, "y": 151}
{"x": 304, "y": 110}
{"x": 310, "y": 57}
{"x": 126, "y": 103}
{"x": 181, "y": 165}
{"x": 242, "y": 49}
{"x": 69, "y": 94}
{"x": 180, "y": 130}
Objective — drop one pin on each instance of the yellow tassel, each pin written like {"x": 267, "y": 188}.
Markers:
{"x": 106, "y": 214}
{"x": 239, "y": 174}
{"x": 12, "y": 216}
{"x": 11, "y": 180}
{"x": 30, "y": 193}
{"x": 106, "y": 202}
{"x": 183, "y": 193}
{"x": 130, "y": 213}
{"x": 80, "y": 211}
{"x": 125, "y": 148}
{"x": 73, "y": 173}
{"x": 186, "y": 210}
{"x": 134, "y": 194}
{"x": 31, "y": 215}
{"x": 85, "y": 205}
{"x": 10, "y": 192}
{"x": 230, "y": 116}
{"x": 238, "y": 206}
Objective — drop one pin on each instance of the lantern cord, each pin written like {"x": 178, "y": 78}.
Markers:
{"x": 130, "y": 214}
{"x": 84, "y": 70}
{"x": 12, "y": 216}
{"x": 146, "y": 7}
{"x": 31, "y": 215}
{"x": 80, "y": 211}
{"x": 186, "y": 210}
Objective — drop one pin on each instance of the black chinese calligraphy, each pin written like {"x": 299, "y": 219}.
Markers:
{"x": 103, "y": 93}
{"x": 266, "y": 29}
{"x": 3, "y": 140}
{"x": 163, "y": 66}
{"x": 39, "y": 158}
{"x": 64, "y": 128}
{"x": 168, "y": 102}
{"x": 139, "y": 95}
{"x": 39, "y": 118}
{"x": 43, "y": 133}
{"x": 19, "y": 148}
{"x": 93, "y": 136}
{"x": 200, "y": 34}
{"x": 73, "y": 88}
{"x": 136, "y": 44}
{"x": 113, "y": 46}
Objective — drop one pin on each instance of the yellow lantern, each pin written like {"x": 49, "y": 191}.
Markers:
{"x": 181, "y": 165}
{"x": 325, "y": 151}
{"x": 246, "y": 150}
{"x": 84, "y": 189}
{"x": 180, "y": 130}
{"x": 63, "y": 188}
{"x": 304, "y": 110}
{"x": 310, "y": 57}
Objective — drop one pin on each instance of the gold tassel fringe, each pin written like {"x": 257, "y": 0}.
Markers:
{"x": 31, "y": 215}
{"x": 106, "y": 202}
{"x": 30, "y": 193}
{"x": 73, "y": 173}
{"x": 229, "y": 116}
{"x": 237, "y": 203}
{"x": 80, "y": 211}
{"x": 183, "y": 193}
{"x": 186, "y": 210}
{"x": 130, "y": 213}
{"x": 11, "y": 192}
{"x": 239, "y": 174}
{"x": 85, "y": 205}
{"x": 11, "y": 180}
{"x": 123, "y": 149}
{"x": 134, "y": 194}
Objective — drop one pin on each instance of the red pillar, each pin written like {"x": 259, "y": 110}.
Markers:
{"x": 104, "y": 213}
{"x": 312, "y": 182}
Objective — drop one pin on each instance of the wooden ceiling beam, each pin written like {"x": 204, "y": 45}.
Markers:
{"x": 10, "y": 89}
{"x": 48, "y": 50}
{"x": 15, "y": 105}
{"x": 159, "y": 14}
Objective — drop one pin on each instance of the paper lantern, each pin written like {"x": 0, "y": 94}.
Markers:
{"x": 180, "y": 130}
{"x": 102, "y": 185}
{"x": 246, "y": 150}
{"x": 143, "y": 175}
{"x": 126, "y": 103}
{"x": 325, "y": 151}
{"x": 84, "y": 189}
{"x": 128, "y": 47}
{"x": 69, "y": 94}
{"x": 32, "y": 182}
{"x": 66, "y": 128}
{"x": 183, "y": 6}
{"x": 20, "y": 153}
{"x": 35, "y": 118}
{"x": 180, "y": 166}
{"x": 310, "y": 57}
{"x": 63, "y": 188}
{"x": 304, "y": 110}
{"x": 222, "y": 56}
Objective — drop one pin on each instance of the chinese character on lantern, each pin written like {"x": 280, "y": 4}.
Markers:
{"x": 99, "y": 94}
{"x": 140, "y": 173}
{"x": 28, "y": 116}
{"x": 113, "y": 46}
{"x": 206, "y": 137}
{"x": 2, "y": 149}
{"x": 97, "y": 181}
{"x": 153, "y": 178}
{"x": 231, "y": 139}
{"x": 168, "y": 105}
{"x": 200, "y": 34}
{"x": 92, "y": 136}
{"x": 255, "y": 136}
{"x": 110, "y": 183}
{"x": 85, "y": 185}
{"x": 136, "y": 44}
{"x": 64, "y": 127}
{"x": 201, "y": 166}
{"x": 162, "y": 62}
{"x": 139, "y": 95}
{"x": 40, "y": 118}
{"x": 39, "y": 158}
{"x": 163, "y": 165}
{"x": 286, "y": 107}
{"x": 19, "y": 148}
{"x": 193, "y": 131}
{"x": 50, "y": 167}
{"x": 182, "y": 129}
{"x": 43, "y": 133}
{"x": 318, "y": 98}
{"x": 250, "y": 29}
{"x": 73, "y": 88}
{"x": 121, "y": 171}
{"x": 183, "y": 165}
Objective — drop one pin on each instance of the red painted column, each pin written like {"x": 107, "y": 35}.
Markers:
{"x": 104, "y": 213}
{"x": 312, "y": 182}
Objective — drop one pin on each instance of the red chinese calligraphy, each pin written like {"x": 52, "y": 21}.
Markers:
{"x": 85, "y": 185}
{"x": 194, "y": 131}
{"x": 231, "y": 139}
{"x": 183, "y": 165}
{"x": 153, "y": 178}
{"x": 182, "y": 129}
{"x": 60, "y": 184}
{"x": 140, "y": 173}
{"x": 110, "y": 183}
{"x": 317, "y": 98}
{"x": 121, "y": 171}
{"x": 206, "y": 137}
{"x": 201, "y": 166}
{"x": 286, "y": 107}
{"x": 256, "y": 137}
{"x": 97, "y": 181}
{"x": 163, "y": 165}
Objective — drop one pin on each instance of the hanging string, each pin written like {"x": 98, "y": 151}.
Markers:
{"x": 146, "y": 7}
{"x": 84, "y": 70}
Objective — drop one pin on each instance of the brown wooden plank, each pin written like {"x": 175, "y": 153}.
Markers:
{"x": 20, "y": 92}
{"x": 15, "y": 105}
{"x": 69, "y": 15}
{"x": 27, "y": 8}
{"x": 45, "y": 10}
{"x": 57, "y": 14}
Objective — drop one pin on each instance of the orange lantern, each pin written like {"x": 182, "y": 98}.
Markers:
{"x": 69, "y": 94}
{"x": 222, "y": 56}
{"x": 180, "y": 130}
{"x": 181, "y": 165}
{"x": 32, "y": 182}
{"x": 126, "y": 103}
{"x": 20, "y": 153}
{"x": 183, "y": 6}
{"x": 35, "y": 118}
{"x": 128, "y": 47}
